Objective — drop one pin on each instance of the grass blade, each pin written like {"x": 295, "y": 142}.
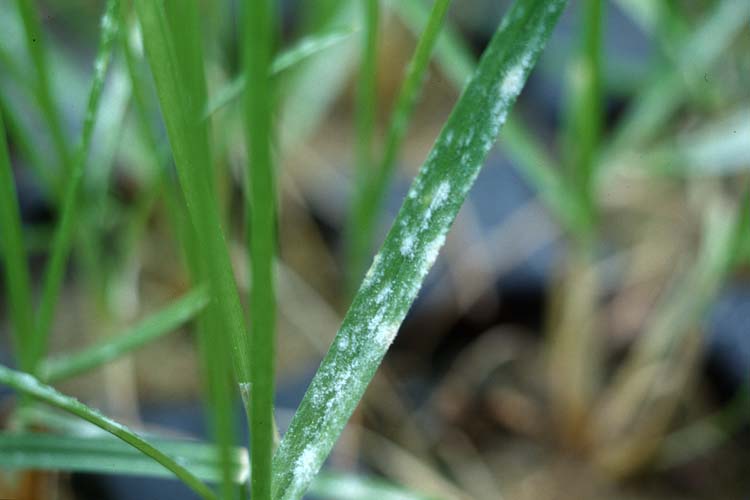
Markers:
{"x": 15, "y": 263}
{"x": 260, "y": 206}
{"x": 149, "y": 329}
{"x": 457, "y": 62}
{"x": 411, "y": 246}
{"x": 63, "y": 237}
{"x": 366, "y": 101}
{"x": 369, "y": 198}
{"x": 654, "y": 105}
{"x": 43, "y": 89}
{"x": 303, "y": 49}
{"x": 105, "y": 455}
{"x": 189, "y": 141}
{"x": 28, "y": 385}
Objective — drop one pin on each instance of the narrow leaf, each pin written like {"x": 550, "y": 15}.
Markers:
{"x": 306, "y": 47}
{"x": 68, "y": 217}
{"x": 259, "y": 28}
{"x": 412, "y": 245}
{"x": 105, "y": 455}
{"x": 15, "y": 264}
{"x": 148, "y": 330}
{"x": 28, "y": 385}
{"x": 371, "y": 192}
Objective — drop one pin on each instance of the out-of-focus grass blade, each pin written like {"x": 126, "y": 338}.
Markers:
{"x": 15, "y": 264}
{"x": 28, "y": 385}
{"x": 719, "y": 148}
{"x": 303, "y": 49}
{"x": 303, "y": 105}
{"x": 337, "y": 486}
{"x": 654, "y": 105}
{"x": 372, "y": 189}
{"x": 43, "y": 88}
{"x": 63, "y": 237}
{"x": 106, "y": 455}
{"x": 146, "y": 331}
{"x": 412, "y": 245}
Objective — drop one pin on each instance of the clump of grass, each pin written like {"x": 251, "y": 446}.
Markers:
{"x": 173, "y": 41}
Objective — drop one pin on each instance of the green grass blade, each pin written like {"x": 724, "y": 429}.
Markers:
{"x": 15, "y": 263}
{"x": 105, "y": 455}
{"x": 258, "y": 26}
{"x": 28, "y": 385}
{"x": 189, "y": 141}
{"x": 43, "y": 89}
{"x": 365, "y": 116}
{"x": 659, "y": 100}
{"x": 369, "y": 197}
{"x": 411, "y": 246}
{"x": 457, "y": 62}
{"x": 303, "y": 49}
{"x": 337, "y": 486}
{"x": 173, "y": 42}
{"x": 146, "y": 331}
{"x": 68, "y": 217}
{"x": 584, "y": 119}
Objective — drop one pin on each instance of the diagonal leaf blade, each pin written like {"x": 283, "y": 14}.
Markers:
{"x": 412, "y": 245}
{"x": 28, "y": 385}
{"x": 151, "y": 328}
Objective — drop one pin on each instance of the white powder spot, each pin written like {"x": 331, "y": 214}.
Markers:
{"x": 407, "y": 245}
{"x": 383, "y": 294}
{"x": 441, "y": 194}
{"x": 305, "y": 467}
{"x": 107, "y": 23}
{"x": 386, "y": 333}
{"x": 370, "y": 275}
{"x": 343, "y": 342}
{"x": 449, "y": 137}
{"x": 376, "y": 320}
{"x": 245, "y": 391}
{"x": 431, "y": 251}
{"x": 513, "y": 82}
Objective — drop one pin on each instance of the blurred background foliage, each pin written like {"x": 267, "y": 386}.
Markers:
{"x": 586, "y": 330}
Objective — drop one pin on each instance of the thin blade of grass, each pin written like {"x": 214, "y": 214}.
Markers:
{"x": 303, "y": 49}
{"x": 105, "y": 455}
{"x": 139, "y": 335}
{"x": 68, "y": 214}
{"x": 364, "y": 106}
{"x": 258, "y": 26}
{"x": 28, "y": 385}
{"x": 189, "y": 142}
{"x": 43, "y": 90}
{"x": 368, "y": 199}
{"x": 653, "y": 106}
{"x": 15, "y": 263}
{"x": 412, "y": 245}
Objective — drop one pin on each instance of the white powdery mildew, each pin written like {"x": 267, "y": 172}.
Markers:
{"x": 386, "y": 333}
{"x": 305, "y": 467}
{"x": 441, "y": 194}
{"x": 245, "y": 391}
{"x": 372, "y": 272}
{"x": 407, "y": 245}
{"x": 431, "y": 253}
